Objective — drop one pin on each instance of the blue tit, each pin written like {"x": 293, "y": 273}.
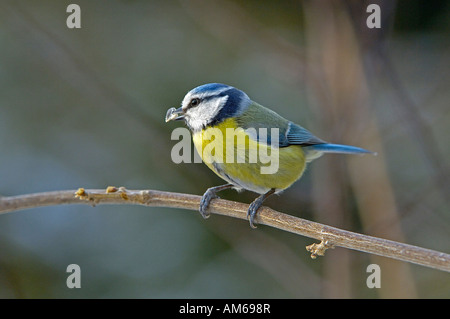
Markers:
{"x": 249, "y": 126}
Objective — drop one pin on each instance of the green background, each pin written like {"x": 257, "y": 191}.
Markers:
{"x": 85, "y": 108}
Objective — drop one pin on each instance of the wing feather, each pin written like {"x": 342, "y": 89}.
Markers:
{"x": 297, "y": 135}
{"x": 256, "y": 116}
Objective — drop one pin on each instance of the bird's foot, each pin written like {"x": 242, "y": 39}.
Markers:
{"x": 251, "y": 213}
{"x": 255, "y": 205}
{"x": 204, "y": 203}
{"x": 208, "y": 196}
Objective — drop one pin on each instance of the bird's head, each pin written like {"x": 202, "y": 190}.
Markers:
{"x": 209, "y": 104}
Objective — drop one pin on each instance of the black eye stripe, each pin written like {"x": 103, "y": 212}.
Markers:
{"x": 193, "y": 103}
{"x": 208, "y": 98}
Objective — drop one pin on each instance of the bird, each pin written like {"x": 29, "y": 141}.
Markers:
{"x": 250, "y": 128}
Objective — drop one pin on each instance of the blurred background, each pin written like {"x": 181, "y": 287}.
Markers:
{"x": 85, "y": 108}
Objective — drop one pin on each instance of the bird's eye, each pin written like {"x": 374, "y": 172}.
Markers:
{"x": 194, "y": 102}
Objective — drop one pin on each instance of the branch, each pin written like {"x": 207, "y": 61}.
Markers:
{"x": 329, "y": 236}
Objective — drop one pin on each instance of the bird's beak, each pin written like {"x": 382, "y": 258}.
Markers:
{"x": 174, "y": 114}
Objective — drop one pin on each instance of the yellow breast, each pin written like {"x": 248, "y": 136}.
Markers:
{"x": 239, "y": 159}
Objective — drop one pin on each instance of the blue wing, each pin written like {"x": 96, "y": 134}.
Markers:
{"x": 297, "y": 135}
{"x": 256, "y": 117}
{"x": 288, "y": 134}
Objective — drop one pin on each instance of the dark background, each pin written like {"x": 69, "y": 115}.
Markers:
{"x": 85, "y": 108}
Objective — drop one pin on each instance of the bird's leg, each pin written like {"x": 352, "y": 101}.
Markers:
{"x": 210, "y": 194}
{"x": 255, "y": 205}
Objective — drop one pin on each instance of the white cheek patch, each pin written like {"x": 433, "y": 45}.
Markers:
{"x": 200, "y": 116}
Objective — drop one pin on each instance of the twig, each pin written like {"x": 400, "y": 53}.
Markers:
{"x": 329, "y": 236}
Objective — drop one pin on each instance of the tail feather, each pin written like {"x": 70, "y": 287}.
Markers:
{"x": 337, "y": 148}
{"x": 314, "y": 151}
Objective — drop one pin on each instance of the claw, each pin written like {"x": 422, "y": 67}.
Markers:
{"x": 252, "y": 212}
{"x": 255, "y": 205}
{"x": 204, "y": 203}
{"x": 208, "y": 196}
